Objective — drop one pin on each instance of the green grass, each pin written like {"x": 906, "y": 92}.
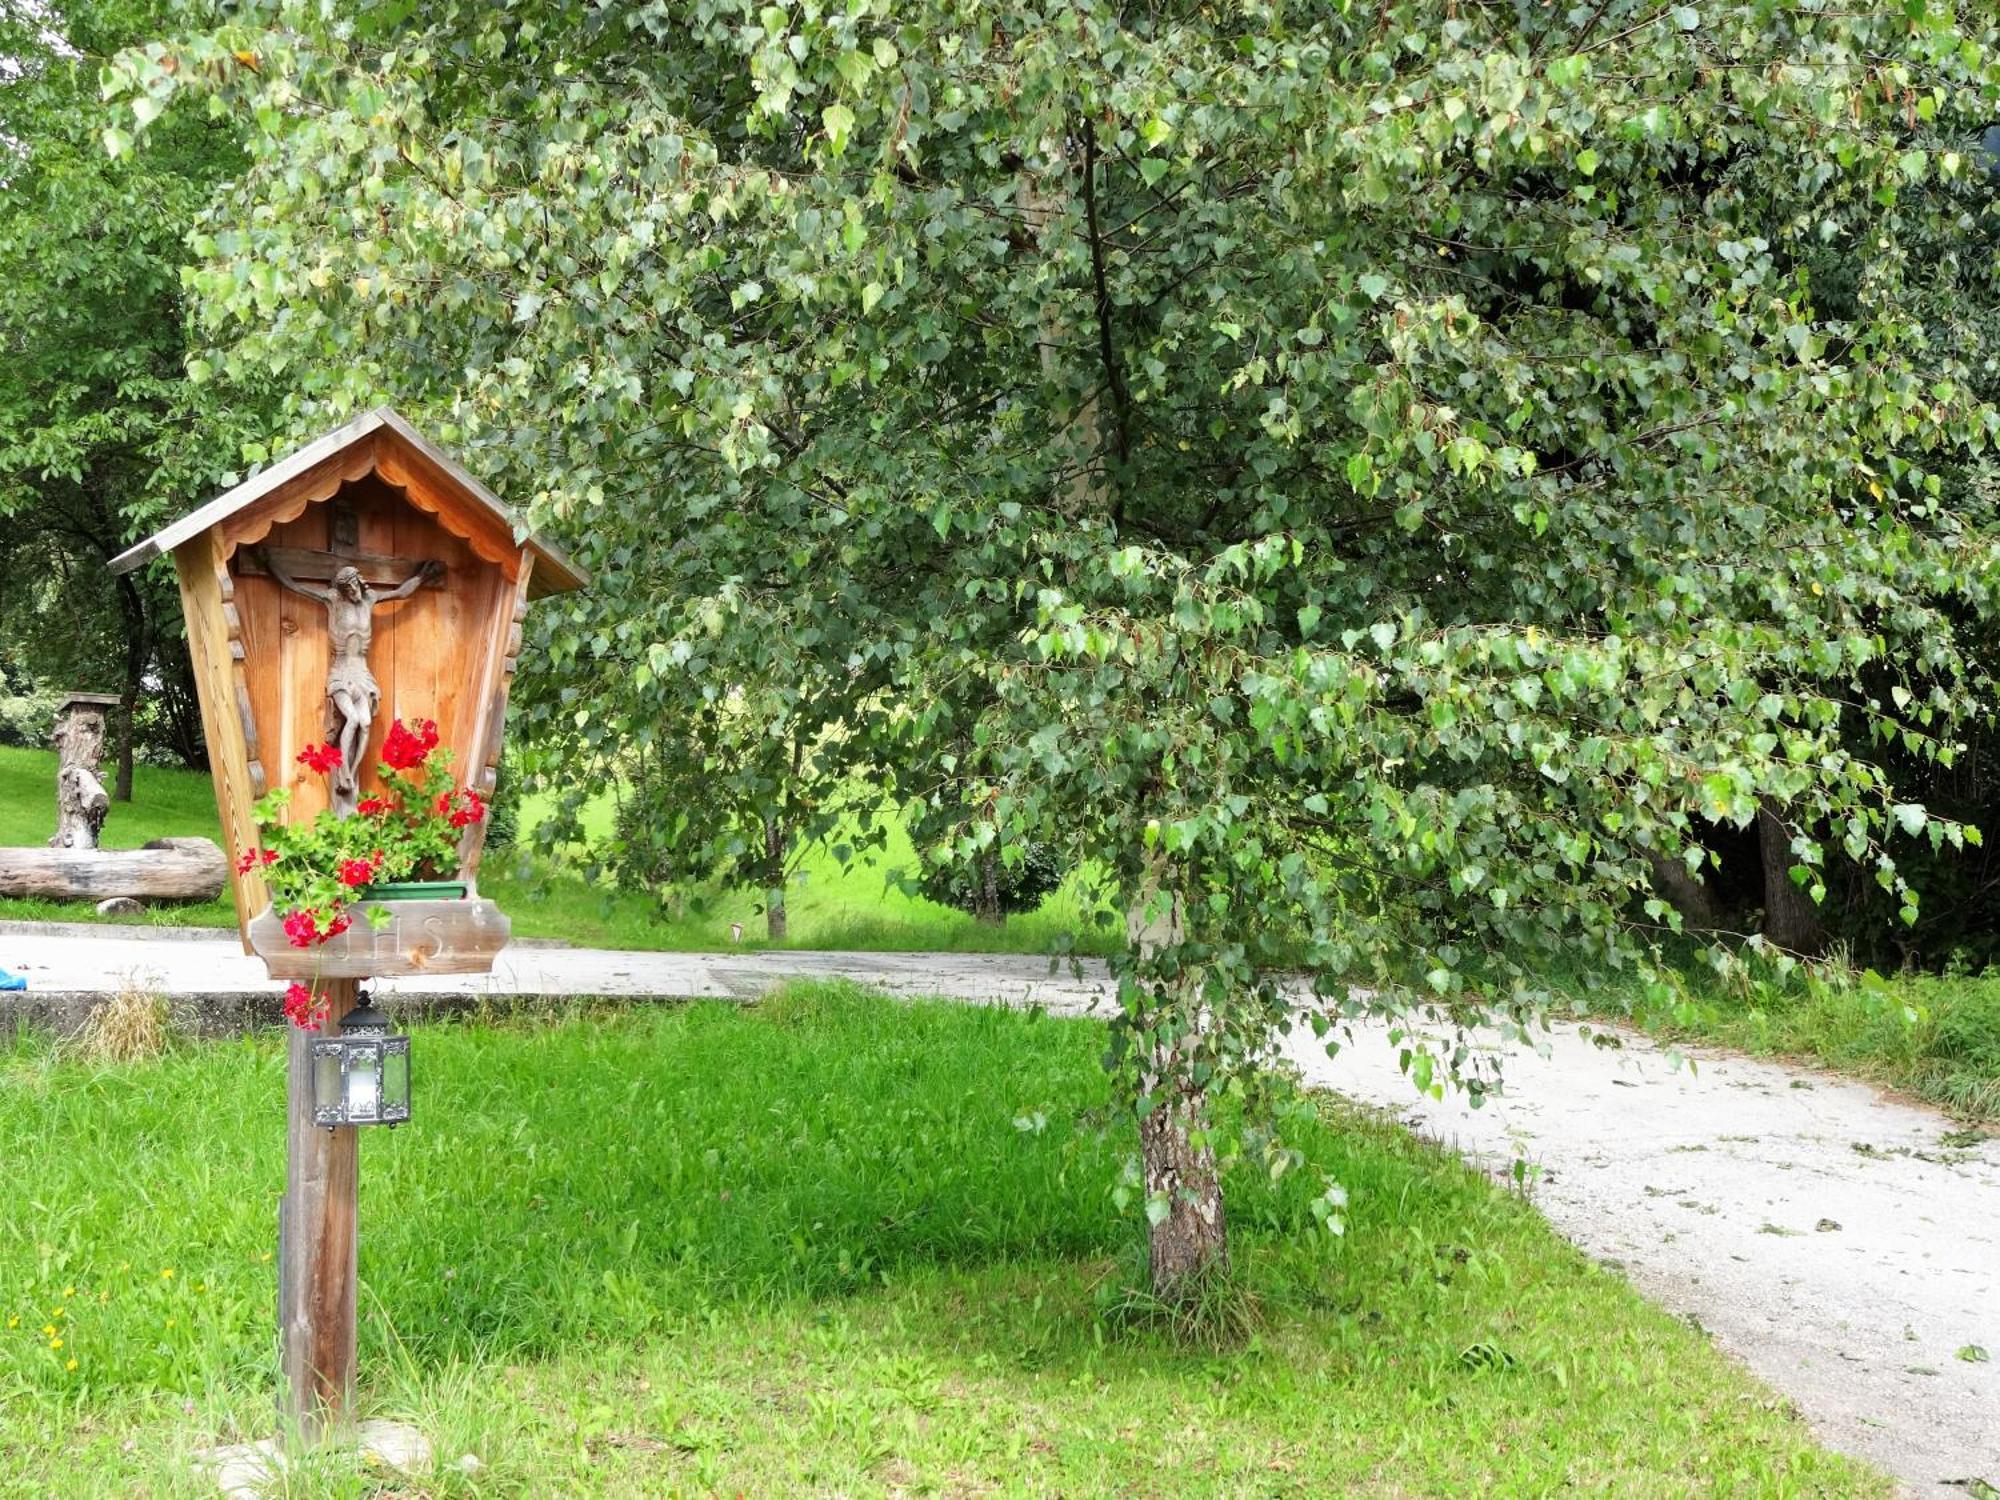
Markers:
{"x": 1936, "y": 1038}
{"x": 830, "y": 906}
{"x": 829, "y": 1245}
{"x": 165, "y": 804}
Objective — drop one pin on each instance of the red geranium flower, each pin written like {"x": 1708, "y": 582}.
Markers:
{"x": 337, "y": 926}
{"x": 302, "y": 928}
{"x": 463, "y": 807}
{"x": 246, "y": 862}
{"x": 270, "y": 856}
{"x": 375, "y": 807}
{"x": 405, "y": 748}
{"x": 356, "y": 873}
{"x": 321, "y": 758}
{"x": 302, "y": 1007}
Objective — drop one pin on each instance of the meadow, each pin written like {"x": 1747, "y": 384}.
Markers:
{"x": 831, "y": 905}
{"x": 827, "y": 1244}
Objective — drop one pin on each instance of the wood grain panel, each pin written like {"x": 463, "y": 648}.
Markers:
{"x": 503, "y": 630}
{"x": 423, "y": 937}
{"x": 318, "y": 1224}
{"x": 289, "y": 500}
{"x": 199, "y": 569}
{"x": 432, "y": 654}
{"x": 436, "y": 493}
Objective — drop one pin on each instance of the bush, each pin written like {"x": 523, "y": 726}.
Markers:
{"x": 28, "y": 718}
{"x": 503, "y": 822}
{"x": 1019, "y": 887}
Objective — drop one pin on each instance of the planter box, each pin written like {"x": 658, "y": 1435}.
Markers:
{"x": 421, "y": 937}
{"x": 412, "y": 890}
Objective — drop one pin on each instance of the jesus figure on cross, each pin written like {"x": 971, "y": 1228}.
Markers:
{"x": 352, "y": 695}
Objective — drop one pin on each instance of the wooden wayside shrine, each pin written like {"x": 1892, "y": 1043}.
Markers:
{"x": 365, "y": 578}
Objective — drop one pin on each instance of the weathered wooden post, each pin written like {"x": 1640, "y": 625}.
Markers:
{"x": 365, "y": 578}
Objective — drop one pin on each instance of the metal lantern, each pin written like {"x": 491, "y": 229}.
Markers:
{"x": 362, "y": 1076}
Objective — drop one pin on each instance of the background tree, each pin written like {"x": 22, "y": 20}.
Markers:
{"x": 100, "y": 434}
{"x": 1370, "y": 477}
{"x": 742, "y": 759}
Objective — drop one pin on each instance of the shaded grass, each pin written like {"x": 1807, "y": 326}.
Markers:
{"x": 831, "y": 906}
{"x": 831, "y": 1244}
{"x": 165, "y": 803}
{"x": 1937, "y": 1038}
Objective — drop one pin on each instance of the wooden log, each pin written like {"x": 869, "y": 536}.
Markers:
{"x": 317, "y": 1242}
{"x": 422, "y": 937}
{"x": 165, "y": 870}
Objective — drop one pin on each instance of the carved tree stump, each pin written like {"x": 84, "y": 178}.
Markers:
{"x": 81, "y": 801}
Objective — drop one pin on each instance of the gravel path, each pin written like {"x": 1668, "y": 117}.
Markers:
{"x": 1842, "y": 1244}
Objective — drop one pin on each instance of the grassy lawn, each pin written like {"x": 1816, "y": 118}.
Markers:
{"x": 830, "y": 906}
{"x": 828, "y": 1245}
{"x": 1936, "y": 1038}
{"x": 165, "y": 804}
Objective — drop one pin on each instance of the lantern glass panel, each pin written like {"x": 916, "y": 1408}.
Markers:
{"x": 364, "y": 1083}
{"x": 326, "y": 1082}
{"x": 396, "y": 1081}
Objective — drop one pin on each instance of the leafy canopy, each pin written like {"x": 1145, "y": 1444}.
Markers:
{"x": 1375, "y": 470}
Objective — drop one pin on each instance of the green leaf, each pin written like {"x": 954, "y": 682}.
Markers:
{"x": 838, "y": 121}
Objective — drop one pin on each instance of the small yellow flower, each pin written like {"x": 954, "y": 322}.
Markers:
{"x": 55, "y": 1343}
{"x": 170, "y": 1322}
{"x": 201, "y": 1286}
{"x": 48, "y": 1330}
{"x": 265, "y": 1256}
{"x": 15, "y": 1321}
{"x": 167, "y": 1273}
{"x": 57, "y": 1312}
{"x": 71, "y": 1365}
{"x": 69, "y": 1291}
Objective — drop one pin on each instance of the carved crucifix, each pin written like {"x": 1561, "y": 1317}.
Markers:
{"x": 352, "y": 695}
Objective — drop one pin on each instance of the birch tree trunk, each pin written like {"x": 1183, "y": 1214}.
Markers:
{"x": 1189, "y": 1240}
{"x": 986, "y": 900}
{"x": 775, "y": 852}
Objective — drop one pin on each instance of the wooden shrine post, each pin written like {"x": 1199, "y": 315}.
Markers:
{"x": 318, "y": 1242}
{"x": 363, "y": 579}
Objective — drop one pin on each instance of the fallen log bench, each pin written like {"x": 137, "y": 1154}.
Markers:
{"x": 164, "y": 870}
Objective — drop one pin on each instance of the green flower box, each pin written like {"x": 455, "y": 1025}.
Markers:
{"x": 413, "y": 890}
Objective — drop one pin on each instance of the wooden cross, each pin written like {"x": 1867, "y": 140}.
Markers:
{"x": 343, "y": 551}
